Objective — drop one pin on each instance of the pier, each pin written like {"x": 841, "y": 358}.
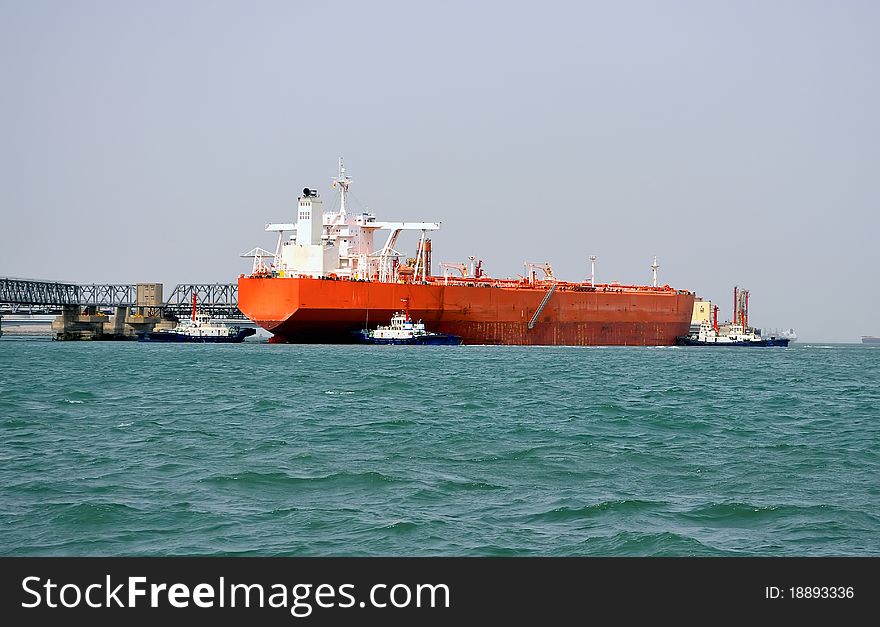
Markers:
{"x": 95, "y": 311}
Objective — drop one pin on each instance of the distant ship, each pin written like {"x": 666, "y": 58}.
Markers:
{"x": 403, "y": 330}
{"x": 870, "y": 339}
{"x": 198, "y": 329}
{"x": 330, "y": 272}
{"x": 788, "y": 334}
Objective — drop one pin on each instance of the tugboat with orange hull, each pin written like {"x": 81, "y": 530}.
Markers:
{"x": 327, "y": 275}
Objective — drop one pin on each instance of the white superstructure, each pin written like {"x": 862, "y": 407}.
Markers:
{"x": 401, "y": 328}
{"x": 340, "y": 244}
{"x": 737, "y": 333}
{"x": 200, "y": 325}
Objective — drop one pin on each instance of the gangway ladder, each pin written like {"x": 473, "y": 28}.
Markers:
{"x": 543, "y": 304}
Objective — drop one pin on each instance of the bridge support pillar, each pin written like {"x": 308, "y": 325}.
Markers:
{"x": 115, "y": 326}
{"x": 136, "y": 323}
{"x": 75, "y": 324}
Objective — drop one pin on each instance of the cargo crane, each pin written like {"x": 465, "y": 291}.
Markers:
{"x": 258, "y": 255}
{"x": 462, "y": 268}
{"x": 546, "y": 267}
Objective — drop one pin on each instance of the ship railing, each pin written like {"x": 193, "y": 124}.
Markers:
{"x": 522, "y": 283}
{"x": 546, "y": 283}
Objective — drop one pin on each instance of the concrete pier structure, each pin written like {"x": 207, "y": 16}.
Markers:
{"x": 88, "y": 323}
{"x": 77, "y": 323}
{"x": 135, "y": 323}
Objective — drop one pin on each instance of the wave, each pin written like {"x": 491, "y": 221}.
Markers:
{"x": 79, "y": 396}
{"x": 732, "y": 512}
{"x": 402, "y": 526}
{"x": 91, "y": 513}
{"x": 626, "y": 506}
{"x": 647, "y": 544}
{"x": 735, "y": 513}
{"x": 264, "y": 479}
{"x": 468, "y": 486}
{"x": 15, "y": 422}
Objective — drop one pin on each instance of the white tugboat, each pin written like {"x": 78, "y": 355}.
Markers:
{"x": 198, "y": 328}
{"x": 403, "y": 330}
{"x": 739, "y": 334}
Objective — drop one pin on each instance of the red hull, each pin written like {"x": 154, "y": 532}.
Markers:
{"x": 327, "y": 311}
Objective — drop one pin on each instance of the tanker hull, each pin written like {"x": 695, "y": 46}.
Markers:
{"x": 331, "y": 311}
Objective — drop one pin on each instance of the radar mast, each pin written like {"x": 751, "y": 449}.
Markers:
{"x": 343, "y": 182}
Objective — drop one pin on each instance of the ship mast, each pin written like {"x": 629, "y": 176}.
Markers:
{"x": 654, "y": 267}
{"x": 735, "y": 303}
{"x": 343, "y": 182}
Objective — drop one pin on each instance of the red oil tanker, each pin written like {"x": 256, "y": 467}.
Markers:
{"x": 327, "y": 281}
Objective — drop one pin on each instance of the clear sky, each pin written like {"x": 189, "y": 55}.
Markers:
{"x": 737, "y": 141}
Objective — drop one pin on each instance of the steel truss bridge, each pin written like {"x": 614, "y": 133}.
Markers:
{"x": 220, "y": 300}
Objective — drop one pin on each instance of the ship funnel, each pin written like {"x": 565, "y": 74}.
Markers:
{"x": 309, "y": 193}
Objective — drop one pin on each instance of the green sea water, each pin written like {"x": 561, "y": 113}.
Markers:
{"x": 259, "y": 449}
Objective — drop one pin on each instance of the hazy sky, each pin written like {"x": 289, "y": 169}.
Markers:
{"x": 737, "y": 141}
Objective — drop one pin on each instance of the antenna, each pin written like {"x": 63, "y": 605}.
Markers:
{"x": 343, "y": 182}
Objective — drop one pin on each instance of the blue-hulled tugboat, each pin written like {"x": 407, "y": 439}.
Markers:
{"x": 198, "y": 329}
{"x": 739, "y": 333}
{"x": 737, "y": 336}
